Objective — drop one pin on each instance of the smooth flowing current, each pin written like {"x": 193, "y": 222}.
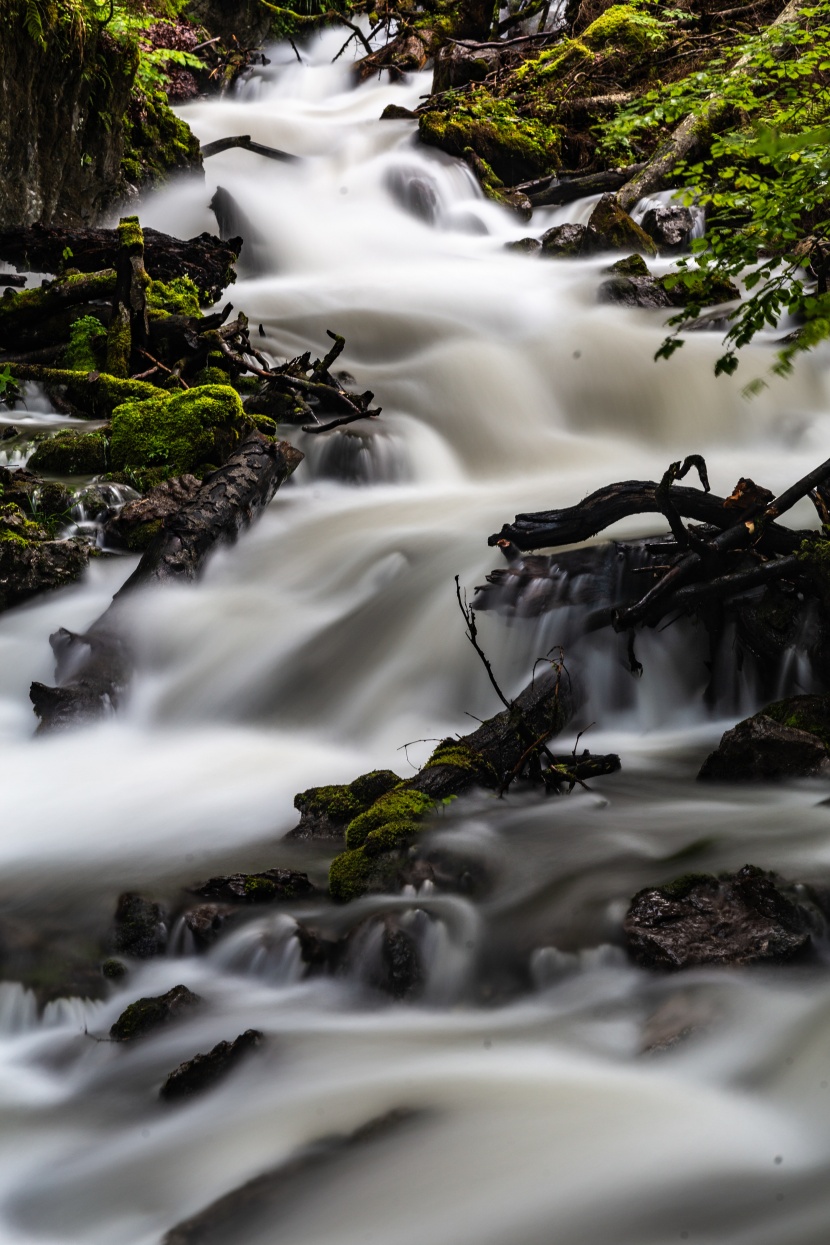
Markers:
{"x": 310, "y": 653}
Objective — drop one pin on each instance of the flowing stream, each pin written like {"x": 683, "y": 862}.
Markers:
{"x": 311, "y": 652}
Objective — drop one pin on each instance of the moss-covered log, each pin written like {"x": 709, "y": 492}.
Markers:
{"x": 206, "y": 260}
{"x": 93, "y": 670}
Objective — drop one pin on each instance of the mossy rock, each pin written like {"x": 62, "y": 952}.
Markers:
{"x": 803, "y": 713}
{"x": 356, "y": 873}
{"x": 402, "y": 805}
{"x": 179, "y": 297}
{"x": 516, "y": 148}
{"x": 69, "y": 453}
{"x": 156, "y": 141}
{"x": 177, "y": 432}
{"x": 147, "y": 1014}
{"x": 609, "y": 228}
{"x": 626, "y": 27}
{"x": 326, "y": 811}
{"x": 630, "y": 266}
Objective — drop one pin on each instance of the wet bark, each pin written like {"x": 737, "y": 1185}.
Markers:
{"x": 94, "y": 670}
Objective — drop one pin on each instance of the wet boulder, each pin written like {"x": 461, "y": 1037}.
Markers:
{"x": 266, "y": 887}
{"x": 32, "y": 566}
{"x": 748, "y": 917}
{"x": 401, "y": 972}
{"x": 207, "y": 921}
{"x": 788, "y": 739}
{"x": 150, "y": 1013}
{"x": 525, "y": 246}
{"x": 629, "y": 266}
{"x": 22, "y": 488}
{"x": 69, "y": 453}
{"x": 139, "y": 928}
{"x": 563, "y": 242}
{"x": 670, "y": 226}
{"x": 415, "y": 192}
{"x": 609, "y": 228}
{"x": 136, "y": 523}
{"x": 397, "y": 112}
{"x": 203, "y": 1071}
{"x": 326, "y": 811}
{"x": 456, "y": 65}
{"x": 634, "y": 292}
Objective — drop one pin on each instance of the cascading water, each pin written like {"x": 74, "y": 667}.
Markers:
{"x": 311, "y": 652}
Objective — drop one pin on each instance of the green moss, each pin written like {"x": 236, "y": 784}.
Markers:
{"x": 130, "y": 234}
{"x": 457, "y": 754}
{"x": 400, "y": 805}
{"x": 680, "y": 887}
{"x": 178, "y": 297}
{"x": 803, "y": 713}
{"x": 624, "y": 26}
{"x": 156, "y": 141}
{"x": 143, "y": 535}
{"x": 553, "y": 64}
{"x": 69, "y": 453}
{"x": 119, "y": 344}
{"x": 341, "y": 803}
{"x": 515, "y": 147}
{"x": 349, "y": 875}
{"x": 86, "y": 347}
{"x": 389, "y": 837}
{"x": 212, "y": 376}
{"x": 177, "y": 432}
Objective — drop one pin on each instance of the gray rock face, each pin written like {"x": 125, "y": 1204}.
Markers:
{"x": 634, "y": 292}
{"x": 563, "y": 241}
{"x": 744, "y": 918}
{"x": 670, "y": 226}
{"x": 761, "y": 748}
{"x": 203, "y": 1071}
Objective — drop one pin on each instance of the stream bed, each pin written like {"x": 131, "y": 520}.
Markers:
{"x": 521, "y": 1103}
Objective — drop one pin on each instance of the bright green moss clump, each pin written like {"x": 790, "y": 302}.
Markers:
{"x": 177, "y": 297}
{"x": 86, "y": 349}
{"x": 627, "y": 27}
{"x": 402, "y": 805}
{"x": 515, "y": 147}
{"x": 69, "y": 453}
{"x": 177, "y": 432}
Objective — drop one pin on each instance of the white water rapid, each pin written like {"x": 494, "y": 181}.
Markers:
{"x": 315, "y": 648}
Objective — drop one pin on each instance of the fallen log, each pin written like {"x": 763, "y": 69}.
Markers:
{"x": 378, "y": 840}
{"x": 246, "y": 143}
{"x": 206, "y": 259}
{"x": 569, "y": 189}
{"x": 550, "y": 529}
{"x": 94, "y": 669}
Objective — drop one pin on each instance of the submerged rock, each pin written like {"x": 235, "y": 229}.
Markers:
{"x": 747, "y": 917}
{"x": 203, "y": 1071}
{"x": 629, "y": 266}
{"x": 150, "y": 1013}
{"x": 326, "y": 811}
{"x": 139, "y": 928}
{"x": 788, "y": 739}
{"x": 527, "y": 246}
{"x": 670, "y": 226}
{"x": 207, "y": 921}
{"x": 265, "y": 887}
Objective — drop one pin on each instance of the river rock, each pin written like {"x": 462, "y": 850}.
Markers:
{"x": 401, "y": 971}
{"x": 788, "y": 739}
{"x": 609, "y": 228}
{"x": 670, "y": 226}
{"x": 525, "y": 246}
{"x": 203, "y": 1071}
{"x": 265, "y": 887}
{"x": 30, "y": 567}
{"x": 207, "y": 921}
{"x": 139, "y": 928}
{"x": 629, "y": 266}
{"x": 634, "y": 292}
{"x": 563, "y": 241}
{"x": 27, "y": 491}
{"x": 146, "y": 1014}
{"x": 326, "y": 811}
{"x": 747, "y": 917}
{"x": 69, "y": 453}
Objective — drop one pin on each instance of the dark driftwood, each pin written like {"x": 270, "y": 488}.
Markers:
{"x": 549, "y": 529}
{"x": 247, "y": 144}
{"x": 568, "y": 190}
{"x": 206, "y": 259}
{"x": 93, "y": 670}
